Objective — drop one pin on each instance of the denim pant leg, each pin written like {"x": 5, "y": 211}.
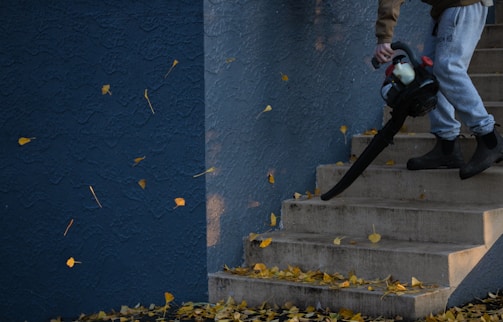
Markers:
{"x": 452, "y": 47}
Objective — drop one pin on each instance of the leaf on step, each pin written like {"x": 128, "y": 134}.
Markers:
{"x": 297, "y": 195}
{"x": 266, "y": 242}
{"x": 338, "y": 240}
{"x": 370, "y": 132}
{"x": 374, "y": 237}
{"x": 415, "y": 282}
{"x": 339, "y": 163}
{"x": 390, "y": 162}
{"x": 252, "y": 236}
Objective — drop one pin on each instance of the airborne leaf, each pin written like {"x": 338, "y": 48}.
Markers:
{"x": 22, "y": 140}
{"x": 180, "y": 202}
{"x": 273, "y": 219}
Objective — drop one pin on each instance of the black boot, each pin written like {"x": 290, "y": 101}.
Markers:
{"x": 489, "y": 150}
{"x": 445, "y": 155}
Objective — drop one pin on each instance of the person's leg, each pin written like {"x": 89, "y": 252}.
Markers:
{"x": 447, "y": 152}
{"x": 458, "y": 33}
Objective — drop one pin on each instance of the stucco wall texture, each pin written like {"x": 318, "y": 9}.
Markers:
{"x": 324, "y": 48}
{"x": 55, "y": 56}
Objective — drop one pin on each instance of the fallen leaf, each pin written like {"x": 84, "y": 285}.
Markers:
{"x": 338, "y": 240}
{"x": 390, "y": 162}
{"x": 339, "y": 163}
{"x": 180, "y": 202}
{"x": 253, "y": 236}
{"x": 22, "y": 140}
{"x": 230, "y": 60}
{"x": 105, "y": 89}
{"x": 265, "y": 242}
{"x": 370, "y": 132}
{"x": 142, "y": 183}
{"x": 71, "y": 262}
{"x": 416, "y": 282}
{"x": 284, "y": 77}
{"x": 374, "y": 237}
{"x": 297, "y": 195}
{"x": 259, "y": 267}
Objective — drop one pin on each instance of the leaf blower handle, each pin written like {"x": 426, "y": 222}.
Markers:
{"x": 399, "y": 46}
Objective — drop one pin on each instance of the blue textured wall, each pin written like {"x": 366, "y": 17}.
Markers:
{"x": 55, "y": 56}
{"x": 325, "y": 48}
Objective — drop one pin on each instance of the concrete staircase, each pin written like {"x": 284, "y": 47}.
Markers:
{"x": 434, "y": 226}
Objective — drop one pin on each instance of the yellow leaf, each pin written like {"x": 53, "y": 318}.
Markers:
{"x": 390, "y": 162}
{"x": 175, "y": 62}
{"x": 297, "y": 195}
{"x": 327, "y": 278}
{"x": 142, "y": 183}
{"x": 273, "y": 219}
{"x": 370, "y": 132}
{"x": 374, "y": 237}
{"x": 338, "y": 240}
{"x": 230, "y": 60}
{"x": 416, "y": 282}
{"x": 23, "y": 140}
{"x": 138, "y": 160}
{"x": 212, "y": 169}
{"x": 400, "y": 287}
{"x": 309, "y": 195}
{"x": 266, "y": 242}
{"x": 168, "y": 297}
{"x": 339, "y": 164}
{"x": 71, "y": 262}
{"x": 180, "y": 202}
{"x": 284, "y": 77}
{"x": 268, "y": 108}
{"x": 102, "y": 315}
{"x": 343, "y": 129}
{"x": 271, "y": 179}
{"x": 344, "y": 284}
{"x": 252, "y": 236}
{"x": 259, "y": 267}
{"x": 148, "y": 101}
{"x": 105, "y": 89}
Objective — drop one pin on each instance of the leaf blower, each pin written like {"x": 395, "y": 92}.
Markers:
{"x": 410, "y": 89}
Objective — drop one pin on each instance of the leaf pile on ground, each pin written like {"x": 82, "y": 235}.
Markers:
{"x": 488, "y": 309}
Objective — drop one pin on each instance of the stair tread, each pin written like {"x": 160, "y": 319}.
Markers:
{"x": 400, "y": 204}
{"x": 419, "y": 292}
{"x": 410, "y": 305}
{"x": 353, "y": 242}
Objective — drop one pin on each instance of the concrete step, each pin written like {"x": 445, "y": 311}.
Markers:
{"x": 421, "y": 124}
{"x": 433, "y": 263}
{"x": 487, "y": 60}
{"x": 407, "y": 220}
{"x": 410, "y": 306}
{"x": 489, "y": 86}
{"x": 408, "y": 145}
{"x": 492, "y": 37}
{"x": 397, "y": 183}
{"x": 498, "y": 11}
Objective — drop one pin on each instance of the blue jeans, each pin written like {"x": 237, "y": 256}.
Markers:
{"x": 451, "y": 46}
